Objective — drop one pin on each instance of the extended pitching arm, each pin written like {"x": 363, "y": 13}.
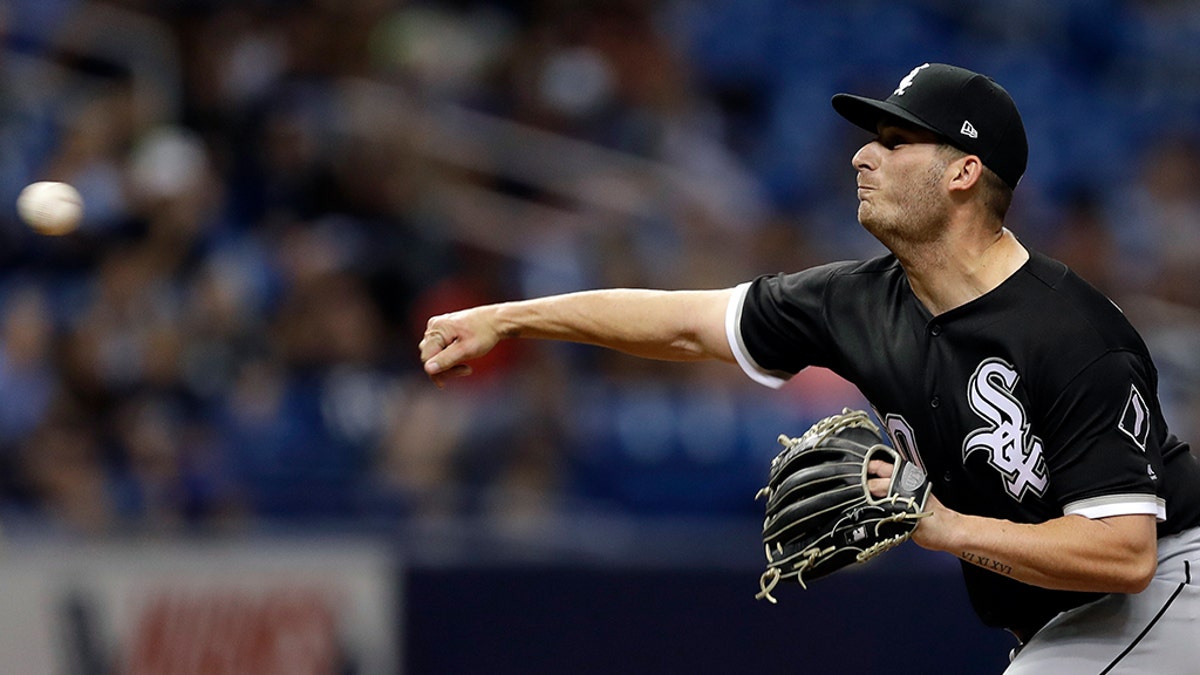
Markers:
{"x": 667, "y": 325}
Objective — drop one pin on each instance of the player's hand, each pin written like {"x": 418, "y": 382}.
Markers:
{"x": 879, "y": 477}
{"x": 451, "y": 340}
{"x": 932, "y": 531}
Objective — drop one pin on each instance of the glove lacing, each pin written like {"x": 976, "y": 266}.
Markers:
{"x": 770, "y": 578}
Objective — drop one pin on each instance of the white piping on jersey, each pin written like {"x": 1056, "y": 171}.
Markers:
{"x": 1118, "y": 505}
{"x": 733, "y": 333}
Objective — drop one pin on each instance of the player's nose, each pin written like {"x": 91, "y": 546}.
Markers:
{"x": 867, "y": 157}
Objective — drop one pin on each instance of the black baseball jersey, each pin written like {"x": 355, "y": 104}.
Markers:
{"x": 1035, "y": 400}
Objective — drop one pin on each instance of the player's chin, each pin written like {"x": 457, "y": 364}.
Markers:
{"x": 868, "y": 217}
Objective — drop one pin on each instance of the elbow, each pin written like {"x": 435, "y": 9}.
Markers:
{"x": 1134, "y": 553}
{"x": 1136, "y": 575}
{"x": 1134, "y": 585}
{"x": 1141, "y": 574}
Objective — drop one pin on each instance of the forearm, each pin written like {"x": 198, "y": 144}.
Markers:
{"x": 1069, "y": 553}
{"x": 669, "y": 325}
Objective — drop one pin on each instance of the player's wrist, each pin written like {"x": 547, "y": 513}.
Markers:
{"x": 505, "y": 320}
{"x": 942, "y": 531}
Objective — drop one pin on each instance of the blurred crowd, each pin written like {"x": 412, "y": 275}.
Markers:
{"x": 280, "y": 192}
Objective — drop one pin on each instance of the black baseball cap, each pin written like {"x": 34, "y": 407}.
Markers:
{"x": 970, "y": 111}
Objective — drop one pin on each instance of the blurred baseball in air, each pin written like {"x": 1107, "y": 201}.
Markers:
{"x": 50, "y": 207}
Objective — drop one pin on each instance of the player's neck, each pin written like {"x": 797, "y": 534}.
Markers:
{"x": 953, "y": 271}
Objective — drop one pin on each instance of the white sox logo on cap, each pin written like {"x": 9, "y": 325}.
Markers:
{"x": 907, "y": 81}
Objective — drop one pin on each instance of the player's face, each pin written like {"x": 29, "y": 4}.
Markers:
{"x": 900, "y": 184}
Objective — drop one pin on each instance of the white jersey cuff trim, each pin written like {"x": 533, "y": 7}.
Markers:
{"x": 1118, "y": 505}
{"x": 733, "y": 333}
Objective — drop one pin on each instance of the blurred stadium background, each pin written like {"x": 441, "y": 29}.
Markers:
{"x": 218, "y": 453}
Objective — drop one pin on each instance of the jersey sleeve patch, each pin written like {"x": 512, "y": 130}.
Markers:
{"x": 1118, "y": 505}
{"x": 1135, "y": 419}
{"x": 733, "y": 333}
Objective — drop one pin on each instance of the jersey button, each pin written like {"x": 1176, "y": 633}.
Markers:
{"x": 935, "y": 402}
{"x": 948, "y": 476}
{"x": 935, "y": 330}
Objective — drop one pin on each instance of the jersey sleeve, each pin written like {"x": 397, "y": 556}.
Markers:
{"x": 775, "y": 324}
{"x": 1102, "y": 449}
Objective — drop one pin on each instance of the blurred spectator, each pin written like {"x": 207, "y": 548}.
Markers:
{"x": 1158, "y": 221}
{"x": 229, "y": 339}
{"x": 1084, "y": 241}
{"x": 28, "y": 384}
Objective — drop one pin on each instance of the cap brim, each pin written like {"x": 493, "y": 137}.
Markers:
{"x": 866, "y": 112}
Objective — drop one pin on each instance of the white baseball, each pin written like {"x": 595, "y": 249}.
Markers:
{"x": 50, "y": 207}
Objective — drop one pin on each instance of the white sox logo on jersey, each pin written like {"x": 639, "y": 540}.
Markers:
{"x": 1011, "y": 449}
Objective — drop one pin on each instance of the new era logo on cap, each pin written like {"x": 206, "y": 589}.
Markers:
{"x": 968, "y": 110}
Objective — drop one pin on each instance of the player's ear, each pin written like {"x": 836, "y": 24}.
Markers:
{"x": 965, "y": 172}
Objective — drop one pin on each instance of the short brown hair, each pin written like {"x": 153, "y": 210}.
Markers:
{"x": 996, "y": 195}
